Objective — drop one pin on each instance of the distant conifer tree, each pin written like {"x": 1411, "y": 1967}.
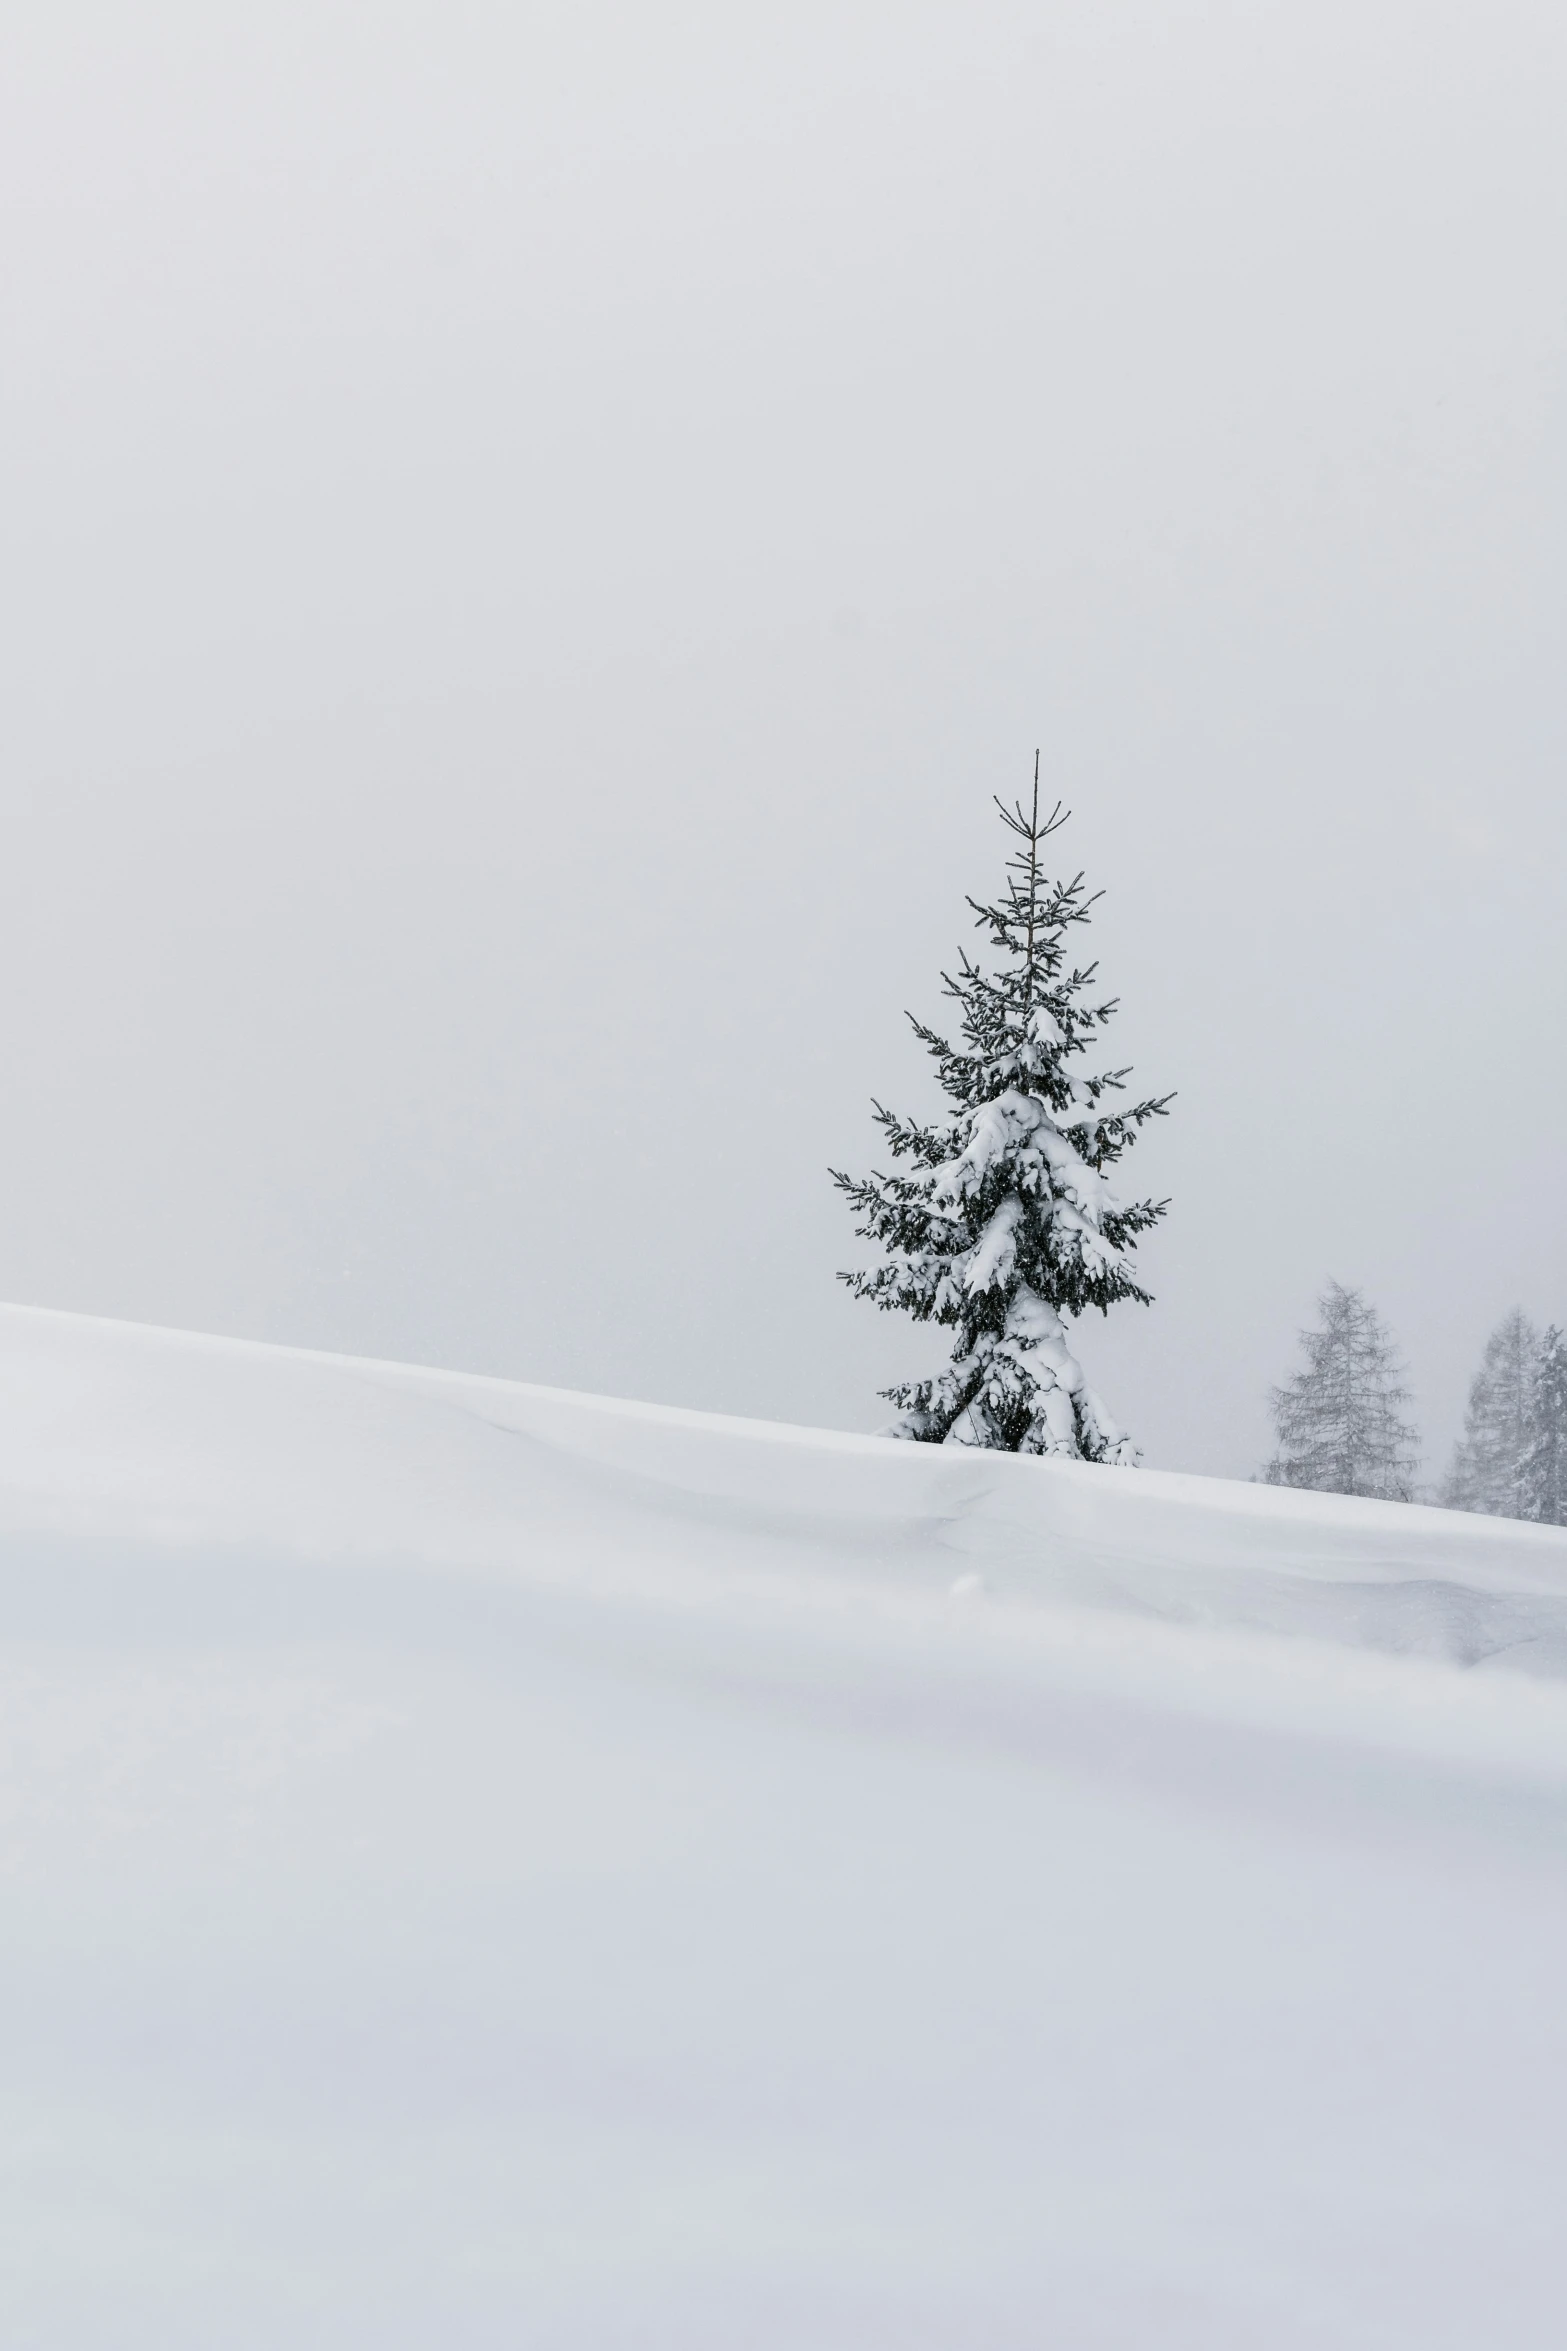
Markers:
{"x": 1006, "y": 1223}
{"x": 1339, "y": 1421}
{"x": 1545, "y": 1467}
{"x": 1488, "y": 1471}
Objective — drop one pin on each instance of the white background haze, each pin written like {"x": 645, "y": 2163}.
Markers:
{"x": 532, "y": 535}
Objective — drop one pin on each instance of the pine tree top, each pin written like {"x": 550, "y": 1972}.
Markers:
{"x": 1023, "y": 1022}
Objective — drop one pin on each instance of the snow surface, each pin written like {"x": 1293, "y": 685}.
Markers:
{"x": 492, "y": 1867}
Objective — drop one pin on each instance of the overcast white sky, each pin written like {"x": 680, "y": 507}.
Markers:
{"x": 532, "y": 534}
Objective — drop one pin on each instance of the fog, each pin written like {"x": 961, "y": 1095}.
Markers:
{"x": 532, "y": 535}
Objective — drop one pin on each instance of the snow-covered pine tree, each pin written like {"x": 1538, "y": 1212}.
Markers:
{"x": 1488, "y": 1461}
{"x": 1545, "y": 1466}
{"x": 1005, "y": 1223}
{"x": 1339, "y": 1420}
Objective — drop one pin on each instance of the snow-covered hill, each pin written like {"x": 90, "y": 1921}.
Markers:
{"x": 486, "y": 1866}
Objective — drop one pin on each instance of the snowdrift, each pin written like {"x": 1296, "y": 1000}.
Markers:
{"x": 486, "y": 1865}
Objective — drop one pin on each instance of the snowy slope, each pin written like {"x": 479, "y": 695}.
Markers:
{"x": 487, "y": 1866}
